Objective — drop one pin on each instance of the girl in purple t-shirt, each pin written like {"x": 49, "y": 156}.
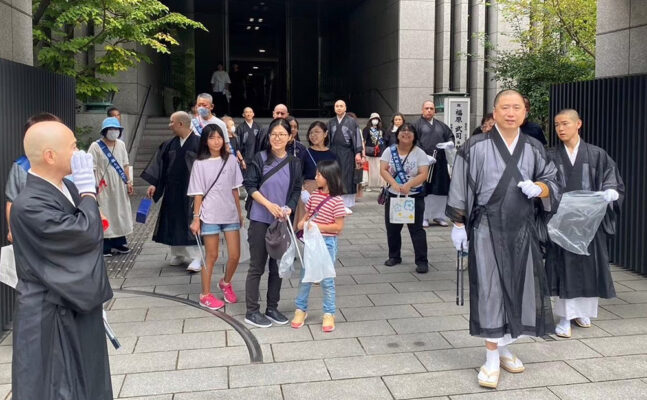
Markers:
{"x": 215, "y": 179}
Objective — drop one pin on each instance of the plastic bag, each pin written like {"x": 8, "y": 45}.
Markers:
{"x": 450, "y": 154}
{"x": 286, "y": 264}
{"x": 402, "y": 210}
{"x": 8, "y": 274}
{"x": 578, "y": 218}
{"x": 244, "y": 246}
{"x": 317, "y": 262}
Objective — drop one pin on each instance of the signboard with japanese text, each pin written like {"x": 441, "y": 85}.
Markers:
{"x": 457, "y": 117}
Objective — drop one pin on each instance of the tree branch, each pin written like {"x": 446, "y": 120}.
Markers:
{"x": 569, "y": 32}
{"x": 42, "y": 7}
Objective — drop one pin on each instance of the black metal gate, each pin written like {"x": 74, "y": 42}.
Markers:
{"x": 614, "y": 117}
{"x": 24, "y": 91}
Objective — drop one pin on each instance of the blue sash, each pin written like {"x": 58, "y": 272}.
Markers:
{"x": 23, "y": 162}
{"x": 112, "y": 160}
{"x": 197, "y": 126}
{"x": 400, "y": 177}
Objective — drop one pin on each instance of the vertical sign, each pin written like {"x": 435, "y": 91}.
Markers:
{"x": 457, "y": 111}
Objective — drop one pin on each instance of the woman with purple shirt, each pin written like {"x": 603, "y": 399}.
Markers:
{"x": 273, "y": 181}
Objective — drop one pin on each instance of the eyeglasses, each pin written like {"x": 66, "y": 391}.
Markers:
{"x": 278, "y": 135}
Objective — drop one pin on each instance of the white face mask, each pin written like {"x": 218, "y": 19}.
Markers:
{"x": 112, "y": 134}
{"x": 232, "y": 129}
{"x": 374, "y": 122}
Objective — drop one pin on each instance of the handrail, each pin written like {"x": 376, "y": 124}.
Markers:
{"x": 141, "y": 113}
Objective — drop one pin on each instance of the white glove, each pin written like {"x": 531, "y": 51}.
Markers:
{"x": 459, "y": 237}
{"x": 610, "y": 195}
{"x": 446, "y": 145}
{"x": 529, "y": 188}
{"x": 83, "y": 172}
{"x": 305, "y": 196}
{"x": 432, "y": 160}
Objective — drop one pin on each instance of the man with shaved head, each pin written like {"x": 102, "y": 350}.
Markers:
{"x": 262, "y": 140}
{"x": 59, "y": 345}
{"x": 247, "y": 132}
{"x": 168, "y": 174}
{"x": 579, "y": 280}
{"x": 497, "y": 181}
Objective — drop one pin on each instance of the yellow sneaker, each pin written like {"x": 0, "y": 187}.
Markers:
{"x": 299, "y": 318}
{"x": 328, "y": 323}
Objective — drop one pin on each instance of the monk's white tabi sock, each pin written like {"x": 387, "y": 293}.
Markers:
{"x": 504, "y": 351}
{"x": 492, "y": 360}
{"x": 564, "y": 324}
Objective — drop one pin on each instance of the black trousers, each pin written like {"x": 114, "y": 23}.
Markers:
{"x": 257, "y": 260}
{"x": 417, "y": 232}
{"x": 109, "y": 244}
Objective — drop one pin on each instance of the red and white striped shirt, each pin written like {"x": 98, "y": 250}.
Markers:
{"x": 329, "y": 212}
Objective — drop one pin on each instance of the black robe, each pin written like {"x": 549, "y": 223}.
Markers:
{"x": 428, "y": 137}
{"x": 59, "y": 343}
{"x": 572, "y": 275}
{"x": 169, "y": 171}
{"x": 508, "y": 287}
{"x": 345, "y": 143}
{"x": 247, "y": 136}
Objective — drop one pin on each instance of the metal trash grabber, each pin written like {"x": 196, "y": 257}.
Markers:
{"x": 460, "y": 277}
{"x": 201, "y": 249}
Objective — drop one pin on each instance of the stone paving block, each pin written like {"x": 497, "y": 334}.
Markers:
{"x": 376, "y": 278}
{"x": 403, "y": 343}
{"x": 6, "y": 353}
{"x": 525, "y": 394}
{"x": 449, "y": 296}
{"x": 370, "y": 288}
{"x": 275, "y": 334}
{"x": 363, "y": 270}
{"x": 441, "y": 309}
{"x": 428, "y": 324}
{"x": 624, "y": 275}
{"x": 127, "y": 315}
{"x": 375, "y": 365}
{"x": 318, "y": 349}
{"x": 143, "y": 362}
{"x": 145, "y": 273}
{"x": 640, "y": 284}
{"x": 440, "y": 275}
{"x": 379, "y": 313}
{"x": 127, "y": 346}
{"x": 277, "y": 373}
{"x": 633, "y": 326}
{"x": 552, "y": 351}
{"x": 162, "y": 397}
{"x": 7, "y": 341}
{"x": 627, "y": 310}
{"x": 615, "y": 390}
{"x": 353, "y": 389}
{"x": 267, "y": 393}
{"x": 147, "y": 328}
{"x": 462, "y": 338}
{"x": 136, "y": 301}
{"x": 404, "y": 287}
{"x": 582, "y": 333}
{"x": 619, "y": 346}
{"x": 207, "y": 324}
{"x": 540, "y": 374}
{"x": 176, "y": 312}
{"x": 5, "y": 373}
{"x": 4, "y": 391}
{"x": 612, "y": 368}
{"x": 404, "y": 298}
{"x": 117, "y": 381}
{"x": 153, "y": 383}
{"x": 431, "y": 384}
{"x": 219, "y": 357}
{"x": 340, "y": 280}
{"x": 360, "y": 261}
{"x": 633, "y": 297}
{"x": 167, "y": 280}
{"x": 352, "y": 329}
{"x": 184, "y": 341}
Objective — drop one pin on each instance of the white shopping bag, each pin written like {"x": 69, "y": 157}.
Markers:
{"x": 316, "y": 258}
{"x": 8, "y": 274}
{"x": 402, "y": 210}
{"x": 286, "y": 264}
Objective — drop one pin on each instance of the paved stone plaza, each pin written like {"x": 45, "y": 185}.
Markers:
{"x": 399, "y": 336}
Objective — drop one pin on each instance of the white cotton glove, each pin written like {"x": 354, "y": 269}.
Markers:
{"x": 83, "y": 172}
{"x": 610, "y": 195}
{"x": 446, "y": 145}
{"x": 459, "y": 237}
{"x": 432, "y": 160}
{"x": 305, "y": 196}
{"x": 529, "y": 188}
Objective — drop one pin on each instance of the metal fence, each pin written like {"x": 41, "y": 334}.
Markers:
{"x": 24, "y": 91}
{"x": 614, "y": 116}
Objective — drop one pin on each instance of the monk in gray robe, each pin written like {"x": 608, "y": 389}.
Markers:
{"x": 59, "y": 345}
{"x": 496, "y": 180}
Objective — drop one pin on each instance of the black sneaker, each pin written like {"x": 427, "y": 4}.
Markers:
{"x": 392, "y": 261}
{"x": 121, "y": 249}
{"x": 258, "y": 319}
{"x": 275, "y": 316}
{"x": 107, "y": 253}
{"x": 422, "y": 268}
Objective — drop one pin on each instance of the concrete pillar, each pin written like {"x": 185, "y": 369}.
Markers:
{"x": 443, "y": 44}
{"x": 459, "y": 58}
{"x": 477, "y": 61}
{"x": 16, "y": 31}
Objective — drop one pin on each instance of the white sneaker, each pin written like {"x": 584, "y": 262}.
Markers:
{"x": 195, "y": 266}
{"x": 176, "y": 260}
{"x": 348, "y": 211}
{"x": 425, "y": 223}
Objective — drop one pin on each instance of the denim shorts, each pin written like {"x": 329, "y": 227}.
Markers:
{"x": 214, "y": 229}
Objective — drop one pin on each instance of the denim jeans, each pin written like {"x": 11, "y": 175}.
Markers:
{"x": 327, "y": 285}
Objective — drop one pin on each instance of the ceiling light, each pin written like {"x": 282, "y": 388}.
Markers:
{"x": 251, "y": 20}
{"x": 254, "y": 67}
{"x": 249, "y": 27}
{"x": 260, "y": 20}
{"x": 256, "y": 28}
{"x": 250, "y": 74}
{"x": 261, "y": 50}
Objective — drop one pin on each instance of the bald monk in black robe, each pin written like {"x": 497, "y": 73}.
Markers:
{"x": 59, "y": 345}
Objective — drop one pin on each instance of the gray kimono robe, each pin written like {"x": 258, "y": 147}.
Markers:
{"x": 59, "y": 343}
{"x": 345, "y": 143}
{"x": 508, "y": 287}
{"x": 429, "y": 135}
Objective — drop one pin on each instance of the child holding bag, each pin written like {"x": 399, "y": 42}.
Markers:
{"x": 326, "y": 209}
{"x": 215, "y": 179}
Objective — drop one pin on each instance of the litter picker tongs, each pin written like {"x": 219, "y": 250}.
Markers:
{"x": 460, "y": 279}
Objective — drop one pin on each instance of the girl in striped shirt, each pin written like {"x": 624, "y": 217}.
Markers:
{"x": 326, "y": 209}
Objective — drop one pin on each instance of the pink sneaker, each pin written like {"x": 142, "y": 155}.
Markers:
{"x": 228, "y": 292}
{"x": 210, "y": 302}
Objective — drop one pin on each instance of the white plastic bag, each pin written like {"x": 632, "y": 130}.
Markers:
{"x": 402, "y": 210}
{"x": 8, "y": 274}
{"x": 286, "y": 264}
{"x": 578, "y": 218}
{"x": 316, "y": 258}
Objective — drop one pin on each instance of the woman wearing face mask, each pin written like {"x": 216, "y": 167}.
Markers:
{"x": 234, "y": 143}
{"x": 114, "y": 186}
{"x": 396, "y": 122}
{"x": 374, "y": 145}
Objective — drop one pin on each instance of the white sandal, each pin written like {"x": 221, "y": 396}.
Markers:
{"x": 488, "y": 379}
{"x": 512, "y": 365}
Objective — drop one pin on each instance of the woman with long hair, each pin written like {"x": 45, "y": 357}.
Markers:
{"x": 214, "y": 183}
{"x": 374, "y": 144}
{"x": 396, "y": 122}
{"x": 273, "y": 182}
